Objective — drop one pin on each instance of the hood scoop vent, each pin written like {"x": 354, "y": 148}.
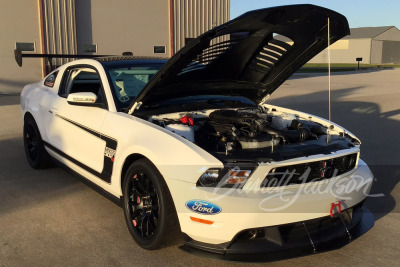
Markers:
{"x": 269, "y": 55}
{"x": 218, "y": 46}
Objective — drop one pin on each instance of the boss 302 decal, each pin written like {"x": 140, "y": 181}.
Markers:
{"x": 109, "y": 153}
{"x": 203, "y": 207}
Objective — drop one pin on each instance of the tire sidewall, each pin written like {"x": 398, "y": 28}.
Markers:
{"x": 38, "y": 162}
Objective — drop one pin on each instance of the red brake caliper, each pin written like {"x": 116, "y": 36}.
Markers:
{"x": 138, "y": 200}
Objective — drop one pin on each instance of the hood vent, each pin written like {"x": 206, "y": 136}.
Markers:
{"x": 270, "y": 54}
{"x": 217, "y": 47}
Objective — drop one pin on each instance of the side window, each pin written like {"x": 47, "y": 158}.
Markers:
{"x": 128, "y": 83}
{"x": 51, "y": 79}
{"x": 82, "y": 79}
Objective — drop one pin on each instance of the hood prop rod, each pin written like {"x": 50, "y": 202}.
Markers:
{"x": 328, "y": 137}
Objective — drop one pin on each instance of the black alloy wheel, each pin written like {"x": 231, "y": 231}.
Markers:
{"x": 31, "y": 142}
{"x": 35, "y": 152}
{"x": 143, "y": 204}
{"x": 148, "y": 207}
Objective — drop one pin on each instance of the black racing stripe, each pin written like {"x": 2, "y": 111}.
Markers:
{"x": 80, "y": 164}
{"x": 81, "y": 126}
{"x": 108, "y": 163}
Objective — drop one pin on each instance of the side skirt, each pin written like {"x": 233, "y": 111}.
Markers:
{"x": 93, "y": 186}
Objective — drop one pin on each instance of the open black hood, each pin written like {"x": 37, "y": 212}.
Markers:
{"x": 249, "y": 56}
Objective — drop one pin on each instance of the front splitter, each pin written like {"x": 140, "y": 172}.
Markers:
{"x": 290, "y": 240}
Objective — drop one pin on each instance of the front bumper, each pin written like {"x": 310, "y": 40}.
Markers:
{"x": 290, "y": 240}
{"x": 259, "y": 208}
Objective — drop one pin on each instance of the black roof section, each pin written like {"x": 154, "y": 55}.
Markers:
{"x": 126, "y": 58}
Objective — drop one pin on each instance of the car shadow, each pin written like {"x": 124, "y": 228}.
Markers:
{"x": 377, "y": 131}
{"x": 307, "y": 73}
{"x": 22, "y": 187}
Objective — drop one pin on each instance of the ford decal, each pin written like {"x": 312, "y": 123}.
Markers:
{"x": 203, "y": 207}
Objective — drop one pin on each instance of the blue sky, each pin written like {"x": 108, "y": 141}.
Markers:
{"x": 359, "y": 13}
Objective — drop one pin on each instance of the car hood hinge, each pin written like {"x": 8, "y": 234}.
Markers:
{"x": 135, "y": 106}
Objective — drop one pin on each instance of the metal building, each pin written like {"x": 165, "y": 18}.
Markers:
{"x": 194, "y": 17}
{"x": 145, "y": 28}
{"x": 375, "y": 45}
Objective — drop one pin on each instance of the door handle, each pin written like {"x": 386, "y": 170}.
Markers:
{"x": 53, "y": 111}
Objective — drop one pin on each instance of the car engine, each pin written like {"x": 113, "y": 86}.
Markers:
{"x": 251, "y": 129}
{"x": 228, "y": 130}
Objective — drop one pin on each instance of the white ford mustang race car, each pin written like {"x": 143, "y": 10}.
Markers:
{"x": 190, "y": 146}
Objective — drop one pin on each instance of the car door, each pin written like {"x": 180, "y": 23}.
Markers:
{"x": 74, "y": 130}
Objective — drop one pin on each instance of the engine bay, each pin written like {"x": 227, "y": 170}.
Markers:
{"x": 255, "y": 134}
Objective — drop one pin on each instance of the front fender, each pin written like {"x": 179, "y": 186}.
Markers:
{"x": 175, "y": 157}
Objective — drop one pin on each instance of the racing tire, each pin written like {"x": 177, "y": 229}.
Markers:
{"x": 36, "y": 154}
{"x": 148, "y": 207}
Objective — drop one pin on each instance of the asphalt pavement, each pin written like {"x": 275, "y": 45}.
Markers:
{"x": 50, "y": 217}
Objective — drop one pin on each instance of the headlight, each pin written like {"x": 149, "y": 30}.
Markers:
{"x": 209, "y": 178}
{"x": 226, "y": 177}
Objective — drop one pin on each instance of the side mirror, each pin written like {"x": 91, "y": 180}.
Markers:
{"x": 83, "y": 99}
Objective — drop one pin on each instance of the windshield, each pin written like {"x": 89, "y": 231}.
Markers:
{"x": 128, "y": 80}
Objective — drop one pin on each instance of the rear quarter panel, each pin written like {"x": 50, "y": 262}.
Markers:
{"x": 36, "y": 99}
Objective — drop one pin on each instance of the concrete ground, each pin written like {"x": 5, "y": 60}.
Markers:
{"x": 50, "y": 217}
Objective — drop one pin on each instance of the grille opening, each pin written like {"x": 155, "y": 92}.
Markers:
{"x": 319, "y": 229}
{"x": 310, "y": 171}
{"x": 322, "y": 231}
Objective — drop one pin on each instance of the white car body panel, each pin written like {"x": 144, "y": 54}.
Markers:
{"x": 180, "y": 162}
{"x": 63, "y": 135}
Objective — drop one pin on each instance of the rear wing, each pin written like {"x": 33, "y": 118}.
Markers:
{"x": 18, "y": 56}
